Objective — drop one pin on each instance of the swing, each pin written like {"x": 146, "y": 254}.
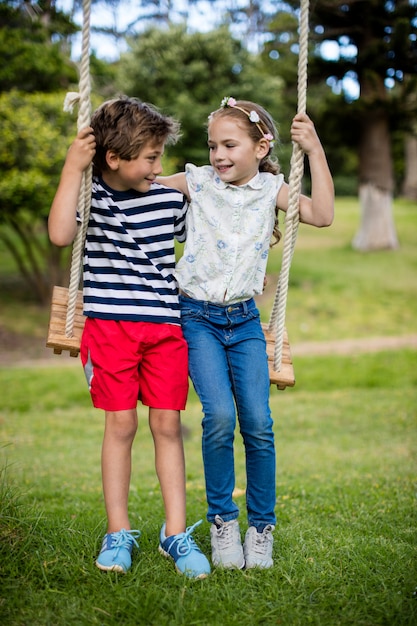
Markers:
{"x": 66, "y": 317}
{"x": 66, "y": 320}
{"x": 281, "y": 371}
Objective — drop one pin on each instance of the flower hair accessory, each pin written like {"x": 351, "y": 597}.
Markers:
{"x": 252, "y": 115}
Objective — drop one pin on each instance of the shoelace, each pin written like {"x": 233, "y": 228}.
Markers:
{"x": 184, "y": 542}
{"x": 225, "y": 535}
{"x": 124, "y": 539}
{"x": 261, "y": 540}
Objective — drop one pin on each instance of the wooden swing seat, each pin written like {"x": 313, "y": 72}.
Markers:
{"x": 57, "y": 338}
{"x": 285, "y": 377}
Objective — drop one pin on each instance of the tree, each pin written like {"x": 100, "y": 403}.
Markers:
{"x": 376, "y": 43}
{"x": 32, "y": 47}
{"x": 34, "y": 135}
{"x": 184, "y": 75}
{"x": 410, "y": 179}
{"x": 385, "y": 65}
{"x": 409, "y": 186}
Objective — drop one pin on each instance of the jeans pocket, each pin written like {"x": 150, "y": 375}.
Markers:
{"x": 188, "y": 313}
{"x": 253, "y": 315}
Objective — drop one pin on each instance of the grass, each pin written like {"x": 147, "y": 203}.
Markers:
{"x": 345, "y": 543}
{"x": 336, "y": 292}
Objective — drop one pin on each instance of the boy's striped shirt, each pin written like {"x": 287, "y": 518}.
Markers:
{"x": 129, "y": 256}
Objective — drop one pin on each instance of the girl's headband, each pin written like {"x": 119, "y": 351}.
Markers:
{"x": 252, "y": 115}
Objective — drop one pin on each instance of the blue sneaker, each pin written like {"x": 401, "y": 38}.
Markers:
{"x": 187, "y": 556}
{"x": 116, "y": 551}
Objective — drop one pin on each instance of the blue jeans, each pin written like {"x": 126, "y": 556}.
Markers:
{"x": 229, "y": 370}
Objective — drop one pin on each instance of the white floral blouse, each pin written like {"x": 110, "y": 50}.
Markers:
{"x": 229, "y": 231}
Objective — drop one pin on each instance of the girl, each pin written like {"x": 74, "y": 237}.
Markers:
{"x": 234, "y": 203}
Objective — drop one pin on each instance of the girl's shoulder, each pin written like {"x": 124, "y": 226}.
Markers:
{"x": 270, "y": 181}
{"x": 198, "y": 173}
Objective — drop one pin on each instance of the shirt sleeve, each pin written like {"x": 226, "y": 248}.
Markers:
{"x": 179, "y": 223}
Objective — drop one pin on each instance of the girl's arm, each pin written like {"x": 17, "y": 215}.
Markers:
{"x": 62, "y": 221}
{"x": 319, "y": 209}
{"x": 176, "y": 181}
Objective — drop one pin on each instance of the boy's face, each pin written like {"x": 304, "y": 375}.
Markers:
{"x": 138, "y": 173}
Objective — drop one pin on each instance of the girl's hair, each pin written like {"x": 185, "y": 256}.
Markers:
{"x": 125, "y": 125}
{"x": 259, "y": 124}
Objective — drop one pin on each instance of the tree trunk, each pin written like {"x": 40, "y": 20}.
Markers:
{"x": 409, "y": 189}
{"x": 377, "y": 229}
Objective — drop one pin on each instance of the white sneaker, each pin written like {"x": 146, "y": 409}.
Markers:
{"x": 226, "y": 544}
{"x": 258, "y": 547}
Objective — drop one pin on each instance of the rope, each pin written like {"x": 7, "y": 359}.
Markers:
{"x": 277, "y": 320}
{"x": 84, "y": 113}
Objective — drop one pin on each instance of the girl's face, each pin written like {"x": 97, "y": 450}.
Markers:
{"x": 138, "y": 173}
{"x": 233, "y": 154}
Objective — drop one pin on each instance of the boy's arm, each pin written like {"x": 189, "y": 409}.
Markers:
{"x": 62, "y": 221}
{"x": 176, "y": 181}
{"x": 319, "y": 209}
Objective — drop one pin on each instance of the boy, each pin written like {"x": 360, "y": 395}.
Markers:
{"x": 132, "y": 346}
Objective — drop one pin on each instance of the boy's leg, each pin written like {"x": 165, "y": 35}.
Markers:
{"x": 176, "y": 540}
{"x": 165, "y": 427}
{"x": 119, "y": 433}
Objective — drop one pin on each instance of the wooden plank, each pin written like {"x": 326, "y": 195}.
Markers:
{"x": 285, "y": 377}
{"x": 57, "y": 338}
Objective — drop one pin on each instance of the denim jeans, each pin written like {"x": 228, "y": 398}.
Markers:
{"x": 229, "y": 370}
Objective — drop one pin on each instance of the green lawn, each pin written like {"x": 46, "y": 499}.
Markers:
{"x": 346, "y": 541}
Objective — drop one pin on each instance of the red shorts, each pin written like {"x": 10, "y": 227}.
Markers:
{"x": 127, "y": 361}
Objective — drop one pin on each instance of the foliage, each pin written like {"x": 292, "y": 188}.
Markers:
{"x": 280, "y": 57}
{"x": 184, "y": 75}
{"x": 34, "y": 135}
{"x": 31, "y": 48}
{"x": 385, "y": 66}
{"x": 383, "y": 35}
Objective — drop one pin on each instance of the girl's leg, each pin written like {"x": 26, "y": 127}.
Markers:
{"x": 119, "y": 433}
{"x": 209, "y": 373}
{"x": 165, "y": 427}
{"x": 249, "y": 368}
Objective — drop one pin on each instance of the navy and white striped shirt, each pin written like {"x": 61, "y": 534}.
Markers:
{"x": 129, "y": 256}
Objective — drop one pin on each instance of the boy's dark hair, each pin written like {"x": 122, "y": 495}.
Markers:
{"x": 125, "y": 125}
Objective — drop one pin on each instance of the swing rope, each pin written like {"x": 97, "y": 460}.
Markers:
{"x": 277, "y": 319}
{"x": 84, "y": 115}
